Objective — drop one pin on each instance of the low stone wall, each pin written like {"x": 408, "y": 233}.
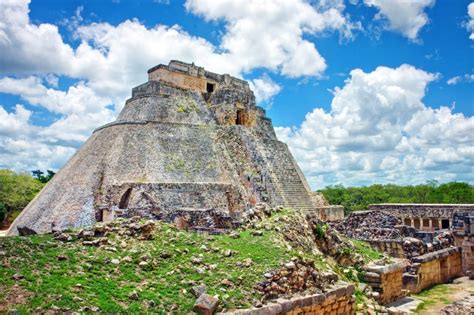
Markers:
{"x": 337, "y": 300}
{"x": 433, "y": 268}
{"x": 330, "y": 213}
{"x": 386, "y": 280}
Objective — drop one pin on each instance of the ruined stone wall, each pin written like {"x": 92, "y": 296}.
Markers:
{"x": 463, "y": 228}
{"x": 330, "y": 213}
{"x": 337, "y": 300}
{"x": 427, "y": 217}
{"x": 433, "y": 268}
{"x": 386, "y": 280}
{"x": 179, "y": 79}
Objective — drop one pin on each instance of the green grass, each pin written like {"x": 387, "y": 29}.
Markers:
{"x": 165, "y": 281}
{"x": 433, "y": 296}
{"x": 366, "y": 251}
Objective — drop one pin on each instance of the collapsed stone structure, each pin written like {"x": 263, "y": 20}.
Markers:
{"x": 190, "y": 146}
{"x": 425, "y": 217}
{"x": 432, "y": 244}
{"x": 430, "y": 220}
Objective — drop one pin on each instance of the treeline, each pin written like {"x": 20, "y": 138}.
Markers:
{"x": 359, "y": 198}
{"x": 17, "y": 190}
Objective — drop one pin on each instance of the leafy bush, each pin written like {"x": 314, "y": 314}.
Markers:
{"x": 320, "y": 230}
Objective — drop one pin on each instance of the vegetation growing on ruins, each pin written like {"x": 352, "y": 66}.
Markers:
{"x": 359, "y": 198}
{"x": 129, "y": 274}
{"x": 186, "y": 104}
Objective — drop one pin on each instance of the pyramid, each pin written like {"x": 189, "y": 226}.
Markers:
{"x": 190, "y": 146}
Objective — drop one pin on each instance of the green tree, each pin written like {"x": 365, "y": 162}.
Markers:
{"x": 3, "y": 212}
{"x": 359, "y": 198}
{"x": 39, "y": 175}
{"x": 16, "y": 191}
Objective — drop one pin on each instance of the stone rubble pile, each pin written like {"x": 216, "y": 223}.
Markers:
{"x": 380, "y": 226}
{"x": 98, "y": 234}
{"x": 297, "y": 275}
{"x": 367, "y": 219}
{"x": 413, "y": 247}
{"x": 369, "y": 225}
{"x": 260, "y": 211}
{"x": 330, "y": 242}
{"x": 461, "y": 307}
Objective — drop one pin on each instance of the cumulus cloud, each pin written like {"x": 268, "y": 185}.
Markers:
{"x": 264, "y": 88}
{"x": 470, "y": 22}
{"x": 379, "y": 130}
{"x": 405, "y": 17}
{"x": 106, "y": 60}
{"x": 270, "y": 33}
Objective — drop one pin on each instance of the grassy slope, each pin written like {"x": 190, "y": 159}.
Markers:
{"x": 165, "y": 281}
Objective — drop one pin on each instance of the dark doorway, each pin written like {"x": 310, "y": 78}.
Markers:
{"x": 210, "y": 87}
{"x": 445, "y": 224}
{"x": 125, "y": 199}
{"x": 416, "y": 223}
{"x": 240, "y": 120}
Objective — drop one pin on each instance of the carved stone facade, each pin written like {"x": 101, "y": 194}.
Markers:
{"x": 189, "y": 146}
{"x": 425, "y": 217}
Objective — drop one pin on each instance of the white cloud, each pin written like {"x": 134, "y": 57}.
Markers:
{"x": 270, "y": 33}
{"x": 106, "y": 61}
{"x": 264, "y": 88}
{"x": 406, "y": 17}
{"x": 13, "y": 123}
{"x": 454, "y": 80}
{"x": 379, "y": 130}
{"x": 461, "y": 79}
{"x": 470, "y": 23}
{"x": 77, "y": 99}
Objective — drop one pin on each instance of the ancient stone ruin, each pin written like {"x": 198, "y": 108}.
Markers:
{"x": 430, "y": 243}
{"x": 190, "y": 147}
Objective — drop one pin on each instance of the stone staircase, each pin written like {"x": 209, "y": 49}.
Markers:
{"x": 285, "y": 177}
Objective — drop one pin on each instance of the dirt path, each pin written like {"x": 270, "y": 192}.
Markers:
{"x": 461, "y": 288}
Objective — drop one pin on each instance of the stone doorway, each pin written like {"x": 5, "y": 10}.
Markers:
{"x": 240, "y": 118}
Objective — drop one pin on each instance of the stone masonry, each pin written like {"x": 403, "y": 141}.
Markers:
{"x": 426, "y": 217}
{"x": 336, "y": 300}
{"x": 189, "y": 146}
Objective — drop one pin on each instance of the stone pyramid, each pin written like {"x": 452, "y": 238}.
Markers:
{"x": 189, "y": 146}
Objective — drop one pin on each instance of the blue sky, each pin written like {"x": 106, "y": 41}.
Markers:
{"x": 363, "y": 91}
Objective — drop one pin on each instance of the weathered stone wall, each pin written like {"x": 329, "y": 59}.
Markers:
{"x": 179, "y": 79}
{"x": 427, "y": 217}
{"x": 463, "y": 227}
{"x": 386, "y": 280}
{"x": 330, "y": 213}
{"x": 337, "y": 300}
{"x": 433, "y": 268}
